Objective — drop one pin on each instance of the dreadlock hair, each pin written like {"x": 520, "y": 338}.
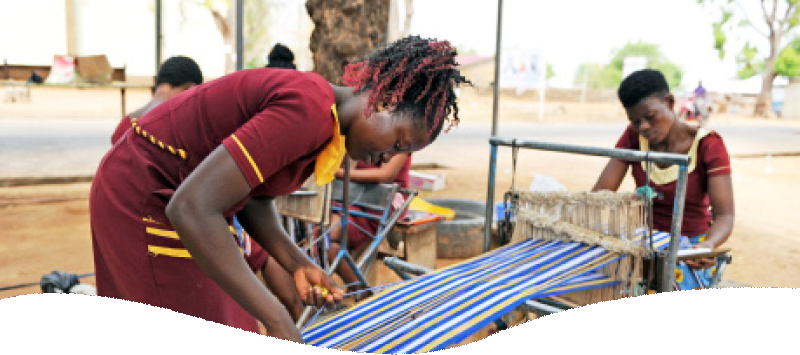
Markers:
{"x": 280, "y": 57}
{"x": 640, "y": 85}
{"x": 417, "y": 76}
{"x": 179, "y": 70}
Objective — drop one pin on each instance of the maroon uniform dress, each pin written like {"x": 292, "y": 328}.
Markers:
{"x": 709, "y": 157}
{"x": 273, "y": 122}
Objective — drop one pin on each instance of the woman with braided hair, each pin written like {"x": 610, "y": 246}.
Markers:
{"x": 163, "y": 197}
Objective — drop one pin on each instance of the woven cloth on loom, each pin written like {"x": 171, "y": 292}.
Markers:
{"x": 440, "y": 309}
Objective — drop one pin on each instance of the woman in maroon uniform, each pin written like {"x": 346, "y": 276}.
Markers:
{"x": 163, "y": 197}
{"x": 654, "y": 126}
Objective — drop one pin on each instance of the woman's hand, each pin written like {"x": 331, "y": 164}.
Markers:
{"x": 702, "y": 263}
{"x": 315, "y": 287}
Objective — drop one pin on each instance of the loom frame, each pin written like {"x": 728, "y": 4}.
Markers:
{"x": 667, "y": 279}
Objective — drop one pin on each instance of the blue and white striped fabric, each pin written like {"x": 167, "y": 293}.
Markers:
{"x": 439, "y": 309}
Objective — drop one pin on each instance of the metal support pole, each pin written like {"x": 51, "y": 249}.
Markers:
{"x": 496, "y": 87}
{"x": 366, "y": 254}
{"x": 396, "y": 264}
{"x": 487, "y": 225}
{"x": 158, "y": 38}
{"x": 345, "y": 203}
{"x": 622, "y": 154}
{"x": 239, "y": 34}
{"x": 540, "y": 308}
{"x": 668, "y": 272}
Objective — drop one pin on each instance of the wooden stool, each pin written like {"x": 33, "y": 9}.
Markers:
{"x": 419, "y": 243}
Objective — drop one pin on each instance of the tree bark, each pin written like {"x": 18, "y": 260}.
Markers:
{"x": 764, "y": 101}
{"x": 345, "y": 31}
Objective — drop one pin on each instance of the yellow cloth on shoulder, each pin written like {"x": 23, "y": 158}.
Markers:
{"x": 663, "y": 176}
{"x": 329, "y": 161}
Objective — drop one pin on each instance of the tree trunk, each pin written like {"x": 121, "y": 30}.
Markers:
{"x": 764, "y": 101}
{"x": 345, "y": 31}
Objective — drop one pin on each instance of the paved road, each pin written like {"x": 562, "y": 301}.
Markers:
{"x": 74, "y": 147}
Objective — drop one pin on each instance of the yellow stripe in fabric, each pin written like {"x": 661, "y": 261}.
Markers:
{"x": 582, "y": 284}
{"x": 171, "y": 150}
{"x": 175, "y": 252}
{"x": 162, "y": 233}
{"x": 428, "y": 289}
{"x": 182, "y": 153}
{"x": 249, "y": 158}
{"x": 459, "y": 308}
{"x": 466, "y": 325}
{"x": 396, "y": 287}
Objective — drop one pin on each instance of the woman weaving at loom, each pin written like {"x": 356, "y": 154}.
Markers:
{"x": 163, "y": 197}
{"x": 654, "y": 126}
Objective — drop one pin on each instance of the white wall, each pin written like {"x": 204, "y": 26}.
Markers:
{"x": 32, "y": 31}
{"x": 124, "y": 30}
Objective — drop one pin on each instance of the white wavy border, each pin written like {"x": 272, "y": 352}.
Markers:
{"x": 738, "y": 320}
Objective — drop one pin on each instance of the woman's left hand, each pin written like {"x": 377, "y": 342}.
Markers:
{"x": 315, "y": 286}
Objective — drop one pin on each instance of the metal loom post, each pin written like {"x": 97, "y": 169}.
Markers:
{"x": 487, "y": 224}
{"x": 668, "y": 272}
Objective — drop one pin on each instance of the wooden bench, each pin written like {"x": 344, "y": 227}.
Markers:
{"x": 21, "y": 72}
{"x": 16, "y": 76}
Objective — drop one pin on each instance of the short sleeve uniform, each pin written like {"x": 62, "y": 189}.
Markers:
{"x": 709, "y": 158}
{"x": 273, "y": 122}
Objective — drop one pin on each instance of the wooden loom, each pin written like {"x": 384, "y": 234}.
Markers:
{"x": 615, "y": 221}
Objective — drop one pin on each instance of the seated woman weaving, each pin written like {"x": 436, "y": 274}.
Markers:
{"x": 361, "y": 229}
{"x": 654, "y": 126}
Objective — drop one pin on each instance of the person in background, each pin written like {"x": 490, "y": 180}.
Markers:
{"x": 395, "y": 170}
{"x": 280, "y": 57}
{"x": 176, "y": 75}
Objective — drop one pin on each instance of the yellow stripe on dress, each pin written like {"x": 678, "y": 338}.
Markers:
{"x": 718, "y": 169}
{"x": 162, "y": 233}
{"x": 249, "y": 158}
{"x": 174, "y": 252}
{"x": 172, "y": 234}
{"x": 158, "y": 142}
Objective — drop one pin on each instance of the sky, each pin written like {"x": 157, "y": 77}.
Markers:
{"x": 567, "y": 33}
{"x": 571, "y": 32}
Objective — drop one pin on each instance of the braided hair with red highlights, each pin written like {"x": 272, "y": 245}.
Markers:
{"x": 416, "y": 76}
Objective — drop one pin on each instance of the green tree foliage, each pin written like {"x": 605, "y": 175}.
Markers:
{"x": 609, "y": 76}
{"x": 772, "y": 23}
{"x": 788, "y": 62}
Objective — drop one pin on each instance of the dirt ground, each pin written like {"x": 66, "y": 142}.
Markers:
{"x": 46, "y": 227}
